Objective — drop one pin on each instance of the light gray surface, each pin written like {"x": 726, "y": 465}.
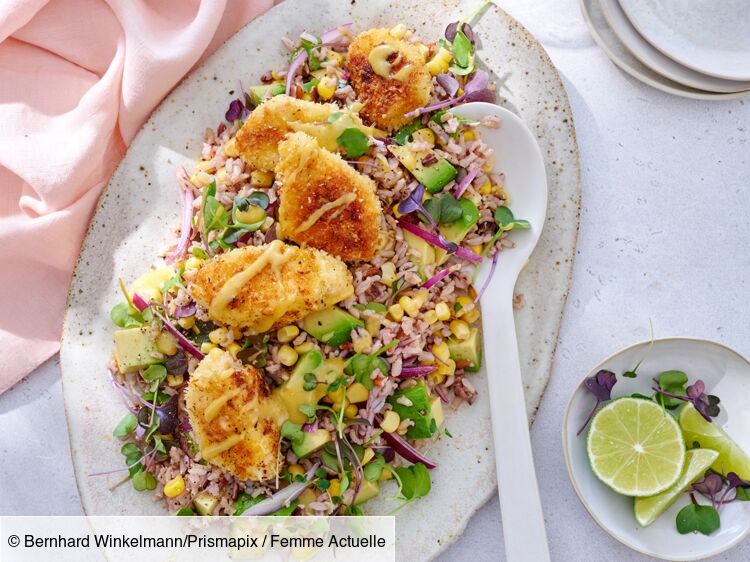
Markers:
{"x": 664, "y": 235}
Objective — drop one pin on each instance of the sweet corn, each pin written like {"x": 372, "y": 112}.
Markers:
{"x": 466, "y": 305}
{"x": 166, "y": 343}
{"x": 447, "y": 368}
{"x": 396, "y": 312}
{"x": 357, "y": 392}
{"x": 295, "y": 469}
{"x": 471, "y": 316}
{"x": 287, "y": 333}
{"x": 205, "y": 166}
{"x": 193, "y": 263}
{"x": 441, "y": 351}
{"x": 438, "y": 377}
{"x": 488, "y": 165}
{"x": 421, "y": 296}
{"x": 430, "y": 317}
{"x": 221, "y": 175}
{"x": 398, "y": 31}
{"x": 442, "y": 311}
{"x": 388, "y": 273}
{"x": 200, "y": 179}
{"x": 234, "y": 348}
{"x": 410, "y": 306}
{"x": 460, "y": 329}
{"x": 261, "y": 178}
{"x": 174, "y": 487}
{"x": 175, "y": 380}
{"x": 207, "y": 347}
{"x": 218, "y": 335}
{"x": 326, "y": 87}
{"x": 372, "y": 325}
{"x": 251, "y": 215}
{"x": 424, "y": 135}
{"x": 476, "y": 248}
{"x": 391, "y": 421}
{"x": 277, "y": 76}
{"x": 287, "y": 355}
{"x": 351, "y": 411}
{"x": 362, "y": 343}
{"x": 440, "y": 62}
{"x": 403, "y": 427}
{"x": 307, "y": 497}
{"x": 335, "y": 488}
{"x": 336, "y": 396}
{"x": 337, "y": 406}
{"x": 308, "y": 97}
{"x": 470, "y": 135}
{"x": 385, "y": 474}
{"x": 304, "y": 347}
{"x": 187, "y": 323}
{"x": 333, "y": 55}
{"x": 230, "y": 149}
{"x": 486, "y": 188}
{"x": 368, "y": 455}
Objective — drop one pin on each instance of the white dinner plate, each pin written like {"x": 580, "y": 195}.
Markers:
{"x": 710, "y": 36}
{"x": 658, "y": 61}
{"x": 726, "y": 374}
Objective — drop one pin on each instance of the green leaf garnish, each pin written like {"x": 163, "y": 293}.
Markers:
{"x": 674, "y": 382}
{"x": 698, "y": 518}
{"x": 462, "y": 50}
{"x": 126, "y": 426}
{"x": 155, "y": 373}
{"x": 445, "y": 209}
{"x": 353, "y": 142}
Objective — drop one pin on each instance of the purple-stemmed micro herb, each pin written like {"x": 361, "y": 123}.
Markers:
{"x": 718, "y": 490}
{"x": 414, "y": 203}
{"x": 707, "y": 405}
{"x": 600, "y": 385}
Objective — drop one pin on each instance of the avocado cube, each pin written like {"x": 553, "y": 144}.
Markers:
{"x": 205, "y": 503}
{"x": 414, "y": 404}
{"x": 456, "y": 231}
{"x": 434, "y": 175}
{"x": 258, "y": 94}
{"x": 425, "y": 251}
{"x": 367, "y": 490}
{"x": 436, "y": 407}
{"x": 469, "y": 350}
{"x": 332, "y": 326}
{"x": 292, "y": 393}
{"x": 134, "y": 349}
{"x": 312, "y": 441}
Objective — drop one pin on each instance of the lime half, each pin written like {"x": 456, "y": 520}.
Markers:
{"x": 697, "y": 462}
{"x": 709, "y": 435}
{"x": 635, "y": 447}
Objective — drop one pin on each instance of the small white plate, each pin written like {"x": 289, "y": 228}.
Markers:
{"x": 658, "y": 61}
{"x": 727, "y": 375}
{"x": 710, "y": 36}
{"x": 606, "y": 38}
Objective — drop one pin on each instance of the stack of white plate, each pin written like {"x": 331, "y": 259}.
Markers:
{"x": 692, "y": 48}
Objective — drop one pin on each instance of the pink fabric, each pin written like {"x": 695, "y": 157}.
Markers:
{"x": 77, "y": 80}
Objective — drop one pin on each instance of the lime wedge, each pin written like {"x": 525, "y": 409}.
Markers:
{"x": 697, "y": 462}
{"x": 711, "y": 436}
{"x": 635, "y": 447}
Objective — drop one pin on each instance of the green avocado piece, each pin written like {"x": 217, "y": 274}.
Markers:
{"x": 134, "y": 348}
{"x": 425, "y": 251}
{"x": 419, "y": 411}
{"x": 292, "y": 393}
{"x": 469, "y": 350}
{"x": 435, "y": 176}
{"x": 258, "y": 94}
{"x": 367, "y": 491}
{"x": 332, "y": 326}
{"x": 205, "y": 503}
{"x": 313, "y": 441}
{"x": 456, "y": 231}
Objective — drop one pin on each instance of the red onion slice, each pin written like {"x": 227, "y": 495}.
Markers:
{"x": 284, "y": 497}
{"x": 461, "y": 252}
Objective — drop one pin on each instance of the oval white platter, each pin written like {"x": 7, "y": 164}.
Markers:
{"x": 140, "y": 207}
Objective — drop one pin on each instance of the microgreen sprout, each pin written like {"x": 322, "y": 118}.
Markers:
{"x": 707, "y": 405}
{"x": 600, "y": 385}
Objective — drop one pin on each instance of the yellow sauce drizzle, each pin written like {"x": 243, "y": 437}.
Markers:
{"x": 378, "y": 59}
{"x": 218, "y": 448}
{"x": 213, "y": 409}
{"x": 315, "y": 217}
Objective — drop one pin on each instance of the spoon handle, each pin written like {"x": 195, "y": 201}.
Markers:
{"x": 523, "y": 520}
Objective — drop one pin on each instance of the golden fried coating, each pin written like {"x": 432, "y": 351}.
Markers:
{"x": 225, "y": 404}
{"x": 407, "y": 86}
{"x": 258, "y": 288}
{"x": 325, "y": 203}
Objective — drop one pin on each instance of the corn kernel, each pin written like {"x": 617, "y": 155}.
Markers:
{"x": 471, "y": 316}
{"x": 388, "y": 273}
{"x": 447, "y": 368}
{"x": 218, "y": 335}
{"x": 326, "y": 87}
{"x": 187, "y": 323}
{"x": 460, "y": 329}
{"x": 403, "y": 427}
{"x": 357, "y": 392}
{"x": 396, "y": 312}
{"x": 386, "y": 474}
{"x": 335, "y": 488}
{"x": 287, "y": 355}
{"x": 421, "y": 296}
{"x": 337, "y": 406}
{"x": 440, "y": 62}
{"x": 304, "y": 347}
{"x": 424, "y": 135}
{"x": 295, "y": 469}
{"x": 442, "y": 311}
{"x": 174, "y": 487}
{"x": 250, "y": 215}
{"x": 488, "y": 165}
{"x": 368, "y": 455}
{"x": 441, "y": 351}
{"x": 362, "y": 343}
{"x": 430, "y": 317}
{"x": 372, "y": 325}
{"x": 205, "y": 166}
{"x": 166, "y": 343}
{"x": 261, "y": 178}
{"x": 221, "y": 175}
{"x": 175, "y": 380}
{"x": 486, "y": 188}
{"x": 334, "y": 56}
{"x": 200, "y": 179}
{"x": 206, "y": 347}
{"x": 277, "y": 76}
{"x": 193, "y": 263}
{"x": 336, "y": 396}
{"x": 308, "y": 97}
{"x": 391, "y": 421}
{"x": 410, "y": 306}
{"x": 398, "y": 31}
{"x": 287, "y": 333}
{"x": 476, "y": 248}
{"x": 234, "y": 348}
{"x": 351, "y": 411}
{"x": 230, "y": 148}
{"x": 470, "y": 135}
{"x": 307, "y": 497}
{"x": 438, "y": 377}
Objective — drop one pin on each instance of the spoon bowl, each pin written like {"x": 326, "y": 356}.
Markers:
{"x": 518, "y": 158}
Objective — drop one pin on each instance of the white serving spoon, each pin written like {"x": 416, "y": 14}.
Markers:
{"x": 517, "y": 155}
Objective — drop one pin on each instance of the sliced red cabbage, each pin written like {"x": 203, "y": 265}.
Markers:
{"x": 141, "y": 304}
{"x": 466, "y": 182}
{"x": 186, "y": 228}
{"x": 284, "y": 497}
{"x": 331, "y": 36}
{"x": 404, "y": 448}
{"x": 461, "y": 252}
{"x": 420, "y": 371}
{"x": 489, "y": 278}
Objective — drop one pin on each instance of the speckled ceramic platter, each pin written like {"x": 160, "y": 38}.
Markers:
{"x": 140, "y": 206}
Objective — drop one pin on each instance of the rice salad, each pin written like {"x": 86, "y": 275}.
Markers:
{"x": 313, "y": 321}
